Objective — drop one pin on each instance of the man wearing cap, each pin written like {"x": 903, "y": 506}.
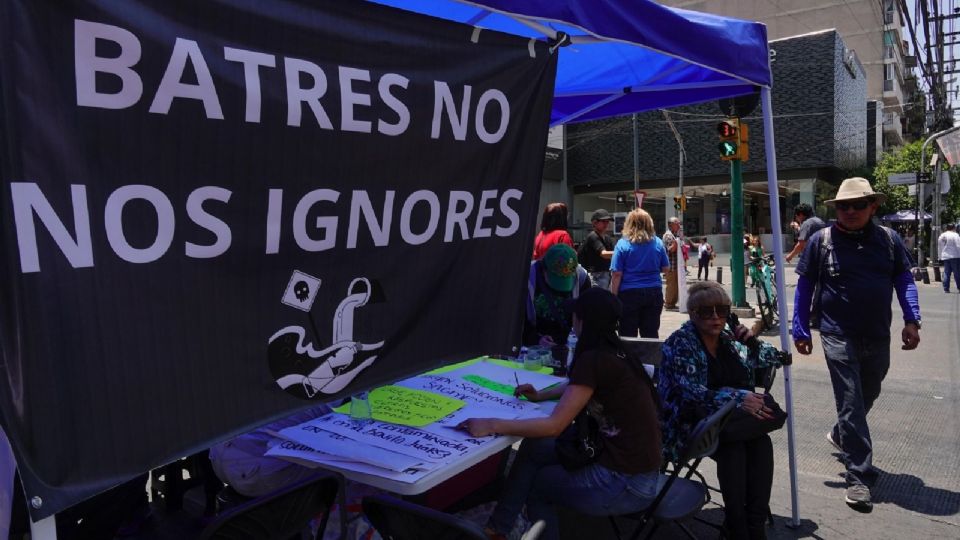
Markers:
{"x": 553, "y": 280}
{"x": 670, "y": 242}
{"x": 597, "y": 249}
{"x": 855, "y": 266}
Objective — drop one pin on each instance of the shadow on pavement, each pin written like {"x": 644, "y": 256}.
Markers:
{"x": 910, "y": 493}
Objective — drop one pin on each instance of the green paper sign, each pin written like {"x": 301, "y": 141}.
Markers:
{"x": 491, "y": 385}
{"x": 407, "y": 407}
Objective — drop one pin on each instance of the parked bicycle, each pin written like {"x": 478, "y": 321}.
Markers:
{"x": 763, "y": 277}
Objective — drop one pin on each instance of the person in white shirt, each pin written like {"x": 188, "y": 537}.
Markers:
{"x": 949, "y": 247}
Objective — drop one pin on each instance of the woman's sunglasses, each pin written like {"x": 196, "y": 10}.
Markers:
{"x": 706, "y": 312}
{"x": 856, "y": 205}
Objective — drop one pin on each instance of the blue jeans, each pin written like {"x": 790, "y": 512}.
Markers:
{"x": 951, "y": 266}
{"x": 538, "y": 480}
{"x": 857, "y": 368}
{"x": 641, "y": 312}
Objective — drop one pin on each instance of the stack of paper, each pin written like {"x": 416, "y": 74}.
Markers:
{"x": 412, "y": 434}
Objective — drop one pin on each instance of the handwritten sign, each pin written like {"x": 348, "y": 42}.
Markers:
{"x": 409, "y": 441}
{"x": 308, "y": 457}
{"x": 344, "y": 448}
{"x": 454, "y": 386}
{"x": 492, "y": 385}
{"x": 407, "y": 407}
{"x": 505, "y": 375}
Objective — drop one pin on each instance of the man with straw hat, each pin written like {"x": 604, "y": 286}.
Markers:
{"x": 854, "y": 266}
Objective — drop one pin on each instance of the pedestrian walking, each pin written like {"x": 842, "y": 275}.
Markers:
{"x": 949, "y": 248}
{"x": 597, "y": 249}
{"x": 807, "y": 224}
{"x": 705, "y": 251}
{"x": 855, "y": 266}
{"x": 671, "y": 243}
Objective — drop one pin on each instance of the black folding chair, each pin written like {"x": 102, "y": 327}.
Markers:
{"x": 281, "y": 515}
{"x": 681, "y": 497}
{"x": 648, "y": 350}
{"x": 399, "y": 520}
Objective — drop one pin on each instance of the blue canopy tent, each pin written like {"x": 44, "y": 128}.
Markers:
{"x": 905, "y": 215}
{"x": 624, "y": 56}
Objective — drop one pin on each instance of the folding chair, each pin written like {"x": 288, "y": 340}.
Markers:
{"x": 280, "y": 515}
{"x": 399, "y": 520}
{"x": 681, "y": 497}
{"x": 648, "y": 350}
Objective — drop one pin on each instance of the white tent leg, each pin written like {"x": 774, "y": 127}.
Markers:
{"x": 773, "y": 189}
{"x": 45, "y": 529}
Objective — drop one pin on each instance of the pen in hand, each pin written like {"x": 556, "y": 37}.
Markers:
{"x": 516, "y": 391}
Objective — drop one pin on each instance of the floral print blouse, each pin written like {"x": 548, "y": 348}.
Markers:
{"x": 683, "y": 382}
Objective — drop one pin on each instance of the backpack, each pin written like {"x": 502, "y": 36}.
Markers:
{"x": 832, "y": 268}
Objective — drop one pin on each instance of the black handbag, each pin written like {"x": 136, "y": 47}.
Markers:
{"x": 744, "y": 426}
{"x": 580, "y": 444}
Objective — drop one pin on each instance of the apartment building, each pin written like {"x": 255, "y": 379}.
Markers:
{"x": 871, "y": 29}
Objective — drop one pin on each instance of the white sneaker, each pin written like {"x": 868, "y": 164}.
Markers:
{"x": 832, "y": 442}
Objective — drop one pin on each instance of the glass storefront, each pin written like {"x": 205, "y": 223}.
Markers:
{"x": 708, "y": 209}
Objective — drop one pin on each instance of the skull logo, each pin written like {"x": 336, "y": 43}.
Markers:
{"x": 301, "y": 290}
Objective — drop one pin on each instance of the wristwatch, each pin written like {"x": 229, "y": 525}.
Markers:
{"x": 915, "y": 323}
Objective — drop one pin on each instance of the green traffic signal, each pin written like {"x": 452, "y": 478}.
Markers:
{"x": 728, "y": 149}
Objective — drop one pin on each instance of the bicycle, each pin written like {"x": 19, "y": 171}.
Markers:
{"x": 764, "y": 282}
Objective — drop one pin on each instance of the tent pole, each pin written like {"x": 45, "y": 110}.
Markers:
{"x": 45, "y": 529}
{"x": 774, "y": 192}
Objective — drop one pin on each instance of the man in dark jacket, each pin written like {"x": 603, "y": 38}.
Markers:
{"x": 856, "y": 266}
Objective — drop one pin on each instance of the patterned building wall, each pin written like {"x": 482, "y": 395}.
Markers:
{"x": 810, "y": 132}
{"x": 850, "y": 122}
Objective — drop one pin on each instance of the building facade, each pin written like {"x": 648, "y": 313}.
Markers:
{"x": 873, "y": 29}
{"x": 820, "y": 121}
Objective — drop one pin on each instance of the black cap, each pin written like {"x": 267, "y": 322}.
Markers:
{"x": 601, "y": 215}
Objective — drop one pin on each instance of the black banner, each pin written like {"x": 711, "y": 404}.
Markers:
{"x": 217, "y": 213}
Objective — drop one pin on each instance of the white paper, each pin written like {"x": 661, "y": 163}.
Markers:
{"x": 308, "y": 457}
{"x": 508, "y": 376}
{"x": 455, "y": 387}
{"x": 409, "y": 441}
{"x": 341, "y": 446}
{"x": 473, "y": 410}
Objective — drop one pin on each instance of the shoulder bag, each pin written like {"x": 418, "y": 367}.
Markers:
{"x": 743, "y": 426}
{"x": 580, "y": 444}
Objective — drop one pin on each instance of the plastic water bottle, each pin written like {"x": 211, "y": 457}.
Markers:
{"x": 523, "y": 355}
{"x": 571, "y": 346}
{"x": 360, "y": 407}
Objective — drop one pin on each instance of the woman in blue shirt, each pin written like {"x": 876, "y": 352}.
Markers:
{"x": 638, "y": 259}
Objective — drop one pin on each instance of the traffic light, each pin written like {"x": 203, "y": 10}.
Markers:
{"x": 733, "y": 140}
{"x": 680, "y": 203}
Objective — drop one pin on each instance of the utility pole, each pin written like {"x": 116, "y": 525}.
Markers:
{"x": 733, "y": 148}
{"x": 681, "y": 276}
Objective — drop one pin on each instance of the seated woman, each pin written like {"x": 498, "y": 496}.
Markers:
{"x": 706, "y": 364}
{"x": 617, "y": 392}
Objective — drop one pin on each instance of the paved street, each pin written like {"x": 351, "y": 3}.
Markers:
{"x": 915, "y": 426}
